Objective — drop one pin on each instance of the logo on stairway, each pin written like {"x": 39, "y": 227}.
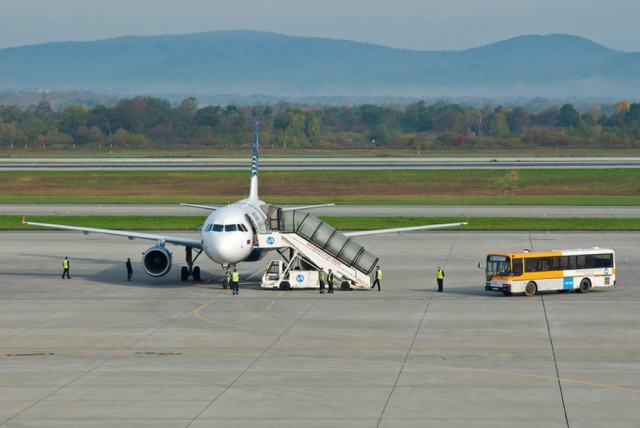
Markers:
{"x": 271, "y": 240}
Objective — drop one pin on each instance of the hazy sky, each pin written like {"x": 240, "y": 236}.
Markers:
{"x": 412, "y": 24}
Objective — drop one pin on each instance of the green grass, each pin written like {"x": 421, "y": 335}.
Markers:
{"x": 490, "y": 223}
{"x": 363, "y": 200}
{"x": 594, "y": 200}
{"x": 411, "y": 187}
{"x": 342, "y": 223}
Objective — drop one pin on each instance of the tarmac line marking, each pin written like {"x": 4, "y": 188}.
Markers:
{"x": 535, "y": 376}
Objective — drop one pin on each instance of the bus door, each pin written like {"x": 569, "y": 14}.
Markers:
{"x": 516, "y": 267}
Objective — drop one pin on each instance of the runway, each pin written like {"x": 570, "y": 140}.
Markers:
{"x": 98, "y": 351}
{"x": 325, "y": 163}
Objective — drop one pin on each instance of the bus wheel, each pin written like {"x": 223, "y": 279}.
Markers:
{"x": 585, "y": 285}
{"x": 530, "y": 289}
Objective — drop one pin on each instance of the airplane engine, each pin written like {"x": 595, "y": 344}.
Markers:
{"x": 156, "y": 261}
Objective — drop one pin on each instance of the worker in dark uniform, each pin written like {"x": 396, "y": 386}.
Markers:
{"x": 321, "y": 279}
{"x": 330, "y": 281}
{"x": 378, "y": 278}
{"x": 129, "y": 269}
{"x": 440, "y": 278}
{"x": 65, "y": 268}
{"x": 235, "y": 279}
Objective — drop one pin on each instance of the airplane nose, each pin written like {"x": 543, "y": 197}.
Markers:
{"x": 226, "y": 248}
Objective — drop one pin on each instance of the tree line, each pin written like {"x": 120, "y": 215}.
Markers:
{"x": 148, "y": 123}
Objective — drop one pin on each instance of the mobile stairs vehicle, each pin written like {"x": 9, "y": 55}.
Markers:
{"x": 286, "y": 275}
{"x": 307, "y": 244}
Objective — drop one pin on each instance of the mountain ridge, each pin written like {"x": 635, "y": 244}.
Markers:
{"x": 251, "y": 62}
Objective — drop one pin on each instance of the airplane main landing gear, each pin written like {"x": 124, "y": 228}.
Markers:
{"x": 190, "y": 270}
{"x": 184, "y": 273}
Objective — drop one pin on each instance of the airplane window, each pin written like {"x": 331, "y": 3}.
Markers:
{"x": 230, "y": 228}
{"x": 242, "y": 227}
{"x": 208, "y": 228}
{"x": 217, "y": 228}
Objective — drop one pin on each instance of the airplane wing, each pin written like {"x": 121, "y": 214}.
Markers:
{"x": 206, "y": 207}
{"x": 404, "y": 229}
{"x": 304, "y": 207}
{"x": 307, "y": 207}
{"x": 187, "y": 242}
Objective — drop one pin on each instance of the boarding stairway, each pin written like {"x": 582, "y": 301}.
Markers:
{"x": 313, "y": 243}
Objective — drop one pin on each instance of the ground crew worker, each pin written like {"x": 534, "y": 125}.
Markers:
{"x": 235, "y": 279}
{"x": 378, "y": 278}
{"x": 321, "y": 279}
{"x": 330, "y": 281}
{"x": 440, "y": 278}
{"x": 65, "y": 268}
{"x": 129, "y": 269}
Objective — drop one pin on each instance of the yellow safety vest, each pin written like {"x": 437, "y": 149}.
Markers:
{"x": 65, "y": 264}
{"x": 330, "y": 277}
{"x": 321, "y": 276}
{"x": 235, "y": 277}
{"x": 440, "y": 273}
{"x": 379, "y": 274}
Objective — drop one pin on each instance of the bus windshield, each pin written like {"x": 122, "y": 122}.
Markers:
{"x": 498, "y": 266}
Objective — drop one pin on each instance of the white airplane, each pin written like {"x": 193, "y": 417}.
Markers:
{"x": 228, "y": 235}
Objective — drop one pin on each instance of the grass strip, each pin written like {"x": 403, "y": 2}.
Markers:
{"x": 491, "y": 223}
{"x": 412, "y": 187}
{"x": 593, "y": 200}
{"x": 341, "y": 223}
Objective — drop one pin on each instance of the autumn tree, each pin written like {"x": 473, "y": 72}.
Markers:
{"x": 189, "y": 106}
{"x": 293, "y": 124}
{"x": 622, "y": 107}
{"x": 416, "y": 117}
{"x": 518, "y": 120}
{"x": 495, "y": 125}
{"x": 72, "y": 118}
{"x": 568, "y": 117}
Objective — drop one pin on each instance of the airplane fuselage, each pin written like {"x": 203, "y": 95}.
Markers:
{"x": 228, "y": 233}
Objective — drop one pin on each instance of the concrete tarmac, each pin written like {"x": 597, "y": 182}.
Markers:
{"x": 98, "y": 351}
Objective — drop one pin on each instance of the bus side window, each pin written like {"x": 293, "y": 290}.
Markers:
{"x": 531, "y": 264}
{"x": 603, "y": 260}
{"x": 517, "y": 267}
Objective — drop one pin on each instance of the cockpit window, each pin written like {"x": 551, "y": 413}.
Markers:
{"x": 226, "y": 228}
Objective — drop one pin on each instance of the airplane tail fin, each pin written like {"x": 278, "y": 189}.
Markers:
{"x": 253, "y": 189}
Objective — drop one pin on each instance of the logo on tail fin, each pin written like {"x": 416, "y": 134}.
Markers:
{"x": 254, "y": 160}
{"x": 253, "y": 190}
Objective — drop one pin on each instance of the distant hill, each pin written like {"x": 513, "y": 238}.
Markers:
{"x": 250, "y": 62}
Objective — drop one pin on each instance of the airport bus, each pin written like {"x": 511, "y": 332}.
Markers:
{"x": 529, "y": 272}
